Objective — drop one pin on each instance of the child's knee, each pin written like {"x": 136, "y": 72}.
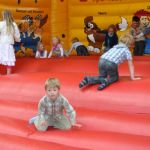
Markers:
{"x": 41, "y": 128}
{"x": 63, "y": 125}
{"x": 66, "y": 127}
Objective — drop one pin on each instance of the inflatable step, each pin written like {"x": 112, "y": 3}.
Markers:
{"x": 77, "y": 138}
{"x": 138, "y": 124}
{"x": 13, "y": 142}
{"x": 125, "y": 95}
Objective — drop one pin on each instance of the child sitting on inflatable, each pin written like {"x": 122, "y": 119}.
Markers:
{"x": 41, "y": 52}
{"x": 57, "y": 48}
{"x": 79, "y": 47}
{"x": 108, "y": 64}
{"x": 51, "y": 109}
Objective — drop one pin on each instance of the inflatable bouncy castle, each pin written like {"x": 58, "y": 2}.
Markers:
{"x": 116, "y": 118}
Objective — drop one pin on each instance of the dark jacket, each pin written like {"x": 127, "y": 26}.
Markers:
{"x": 110, "y": 41}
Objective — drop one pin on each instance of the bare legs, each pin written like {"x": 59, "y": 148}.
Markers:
{"x": 9, "y": 70}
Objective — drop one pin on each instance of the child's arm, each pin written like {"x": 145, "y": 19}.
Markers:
{"x": 16, "y": 33}
{"x": 61, "y": 51}
{"x": 70, "y": 112}
{"x": 131, "y": 68}
{"x": 69, "y": 52}
{"x": 41, "y": 107}
{"x": 37, "y": 55}
{"x": 41, "y": 111}
{"x": 50, "y": 54}
{"x": 140, "y": 33}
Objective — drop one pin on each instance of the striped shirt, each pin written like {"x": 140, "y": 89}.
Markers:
{"x": 118, "y": 54}
{"x": 56, "y": 108}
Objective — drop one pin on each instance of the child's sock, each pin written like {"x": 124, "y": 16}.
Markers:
{"x": 102, "y": 86}
{"x": 83, "y": 83}
{"x": 31, "y": 121}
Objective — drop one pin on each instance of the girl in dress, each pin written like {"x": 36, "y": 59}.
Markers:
{"x": 9, "y": 33}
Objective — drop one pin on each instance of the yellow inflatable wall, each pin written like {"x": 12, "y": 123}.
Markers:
{"x": 70, "y": 15}
{"x": 66, "y": 17}
{"x": 105, "y": 12}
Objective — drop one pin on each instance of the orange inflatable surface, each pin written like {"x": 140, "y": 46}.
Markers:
{"x": 117, "y": 118}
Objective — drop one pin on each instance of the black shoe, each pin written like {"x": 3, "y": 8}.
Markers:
{"x": 83, "y": 83}
{"x": 102, "y": 86}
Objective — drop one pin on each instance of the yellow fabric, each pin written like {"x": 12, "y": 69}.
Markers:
{"x": 66, "y": 17}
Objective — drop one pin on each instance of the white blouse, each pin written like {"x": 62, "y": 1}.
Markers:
{"x": 6, "y": 38}
{"x": 38, "y": 54}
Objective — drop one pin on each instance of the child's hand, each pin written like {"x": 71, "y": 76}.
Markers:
{"x": 77, "y": 125}
{"x": 43, "y": 123}
{"x": 23, "y": 49}
{"x": 136, "y": 78}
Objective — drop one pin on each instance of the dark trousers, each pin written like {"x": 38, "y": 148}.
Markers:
{"x": 139, "y": 48}
{"x": 82, "y": 51}
{"x": 108, "y": 73}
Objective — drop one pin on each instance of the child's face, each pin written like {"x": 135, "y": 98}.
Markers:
{"x": 55, "y": 41}
{"x": 110, "y": 31}
{"x": 41, "y": 47}
{"x": 135, "y": 24}
{"x": 52, "y": 93}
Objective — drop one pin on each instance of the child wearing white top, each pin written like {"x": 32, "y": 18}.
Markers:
{"x": 9, "y": 33}
{"x": 41, "y": 52}
{"x": 79, "y": 47}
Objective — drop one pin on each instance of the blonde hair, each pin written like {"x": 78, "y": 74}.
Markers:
{"x": 75, "y": 39}
{"x": 127, "y": 39}
{"x": 58, "y": 39}
{"x": 7, "y": 16}
{"x": 52, "y": 82}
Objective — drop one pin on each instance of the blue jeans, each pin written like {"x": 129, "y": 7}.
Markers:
{"x": 108, "y": 73}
